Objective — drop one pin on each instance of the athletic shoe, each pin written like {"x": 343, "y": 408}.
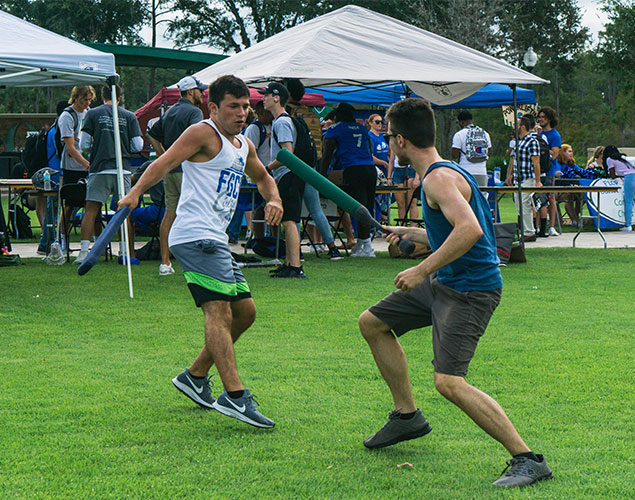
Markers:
{"x": 41, "y": 250}
{"x": 243, "y": 409}
{"x": 363, "y": 251}
{"x": 531, "y": 237}
{"x": 522, "y": 471}
{"x": 278, "y": 269}
{"x": 200, "y": 394}
{"x": 290, "y": 272}
{"x": 398, "y": 429}
{"x": 133, "y": 261}
{"x": 81, "y": 256}
{"x": 626, "y": 229}
{"x": 553, "y": 232}
{"x": 334, "y": 254}
{"x": 165, "y": 269}
{"x": 247, "y": 234}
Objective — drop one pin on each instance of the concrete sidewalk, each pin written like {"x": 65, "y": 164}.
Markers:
{"x": 614, "y": 239}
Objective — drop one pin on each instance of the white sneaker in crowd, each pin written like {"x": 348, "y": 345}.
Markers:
{"x": 165, "y": 270}
{"x": 364, "y": 250}
{"x": 81, "y": 256}
{"x": 553, "y": 232}
{"x": 626, "y": 229}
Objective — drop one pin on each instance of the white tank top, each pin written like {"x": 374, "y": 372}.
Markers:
{"x": 209, "y": 193}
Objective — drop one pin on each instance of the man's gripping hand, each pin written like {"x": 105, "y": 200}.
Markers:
{"x": 130, "y": 200}
{"x": 411, "y": 278}
{"x": 273, "y": 212}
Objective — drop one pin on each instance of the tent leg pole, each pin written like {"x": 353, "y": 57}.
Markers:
{"x": 521, "y": 226}
{"x": 119, "y": 162}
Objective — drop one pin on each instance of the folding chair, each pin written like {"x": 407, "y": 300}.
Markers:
{"x": 416, "y": 199}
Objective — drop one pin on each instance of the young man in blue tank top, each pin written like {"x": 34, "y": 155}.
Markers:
{"x": 455, "y": 290}
{"x": 214, "y": 157}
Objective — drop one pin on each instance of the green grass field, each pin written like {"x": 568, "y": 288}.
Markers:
{"x": 87, "y": 409}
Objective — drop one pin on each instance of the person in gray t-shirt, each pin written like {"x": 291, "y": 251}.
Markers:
{"x": 74, "y": 165}
{"x": 97, "y": 137}
{"x": 162, "y": 135}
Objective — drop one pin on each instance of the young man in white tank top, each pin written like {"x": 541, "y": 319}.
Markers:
{"x": 214, "y": 156}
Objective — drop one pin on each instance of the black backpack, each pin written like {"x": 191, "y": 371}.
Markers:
{"x": 59, "y": 142}
{"x": 22, "y": 221}
{"x": 304, "y": 144}
{"x": 545, "y": 155}
{"x": 34, "y": 155}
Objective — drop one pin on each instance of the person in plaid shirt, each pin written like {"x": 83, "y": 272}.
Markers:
{"x": 529, "y": 166}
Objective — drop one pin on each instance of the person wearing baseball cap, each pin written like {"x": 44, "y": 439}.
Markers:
{"x": 276, "y": 89}
{"x": 189, "y": 83}
{"x": 290, "y": 186}
{"x": 186, "y": 112}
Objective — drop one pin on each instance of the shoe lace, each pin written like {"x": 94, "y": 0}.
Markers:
{"x": 251, "y": 399}
{"x": 515, "y": 466}
{"x": 393, "y": 415}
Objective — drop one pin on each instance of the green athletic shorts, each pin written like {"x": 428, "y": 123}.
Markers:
{"x": 210, "y": 271}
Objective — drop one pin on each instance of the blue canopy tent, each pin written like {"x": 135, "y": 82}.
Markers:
{"x": 385, "y": 94}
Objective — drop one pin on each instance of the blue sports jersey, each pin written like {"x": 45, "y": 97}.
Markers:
{"x": 477, "y": 269}
{"x": 379, "y": 146}
{"x": 352, "y": 144}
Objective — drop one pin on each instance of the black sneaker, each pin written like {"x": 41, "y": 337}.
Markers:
{"x": 41, "y": 250}
{"x": 278, "y": 269}
{"x": 200, "y": 394}
{"x": 398, "y": 429}
{"x": 290, "y": 272}
{"x": 522, "y": 471}
{"x": 334, "y": 253}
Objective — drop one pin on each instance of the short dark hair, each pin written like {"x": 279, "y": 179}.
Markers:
{"x": 345, "y": 112}
{"x": 464, "y": 116}
{"x": 532, "y": 120}
{"x": 106, "y": 93}
{"x": 226, "y": 84}
{"x": 296, "y": 89}
{"x": 414, "y": 119}
{"x": 550, "y": 113}
{"x": 525, "y": 121}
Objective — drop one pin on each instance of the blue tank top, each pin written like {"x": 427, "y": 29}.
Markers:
{"x": 478, "y": 268}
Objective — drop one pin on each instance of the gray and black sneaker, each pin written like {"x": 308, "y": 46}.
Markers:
{"x": 398, "y": 429}
{"x": 200, "y": 394}
{"x": 243, "y": 409}
{"x": 522, "y": 471}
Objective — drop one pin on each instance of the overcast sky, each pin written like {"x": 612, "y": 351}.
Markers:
{"x": 592, "y": 17}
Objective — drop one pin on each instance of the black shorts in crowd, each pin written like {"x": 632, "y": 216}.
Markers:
{"x": 291, "y": 189}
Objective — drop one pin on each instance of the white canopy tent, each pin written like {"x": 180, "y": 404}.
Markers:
{"x": 333, "y": 50}
{"x": 31, "y": 56}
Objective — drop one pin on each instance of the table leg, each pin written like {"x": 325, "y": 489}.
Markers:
{"x": 598, "y": 221}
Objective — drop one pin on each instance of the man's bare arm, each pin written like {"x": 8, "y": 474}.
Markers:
{"x": 156, "y": 145}
{"x": 191, "y": 142}
{"x": 449, "y": 193}
{"x": 275, "y": 163}
{"x": 74, "y": 153}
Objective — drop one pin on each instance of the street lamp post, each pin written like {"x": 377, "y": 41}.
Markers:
{"x": 530, "y": 59}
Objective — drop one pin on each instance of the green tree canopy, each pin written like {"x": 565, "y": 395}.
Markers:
{"x": 103, "y": 21}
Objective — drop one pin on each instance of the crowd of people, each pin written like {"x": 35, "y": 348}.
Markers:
{"x": 350, "y": 153}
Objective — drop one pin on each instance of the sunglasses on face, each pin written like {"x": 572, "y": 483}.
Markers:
{"x": 378, "y": 121}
